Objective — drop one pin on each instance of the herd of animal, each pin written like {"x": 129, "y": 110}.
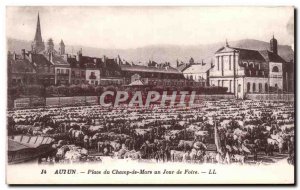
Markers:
{"x": 179, "y": 134}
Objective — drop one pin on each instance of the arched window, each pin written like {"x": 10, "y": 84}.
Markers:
{"x": 266, "y": 87}
{"x": 276, "y": 86}
{"x": 275, "y": 69}
{"x": 253, "y": 87}
{"x": 260, "y": 87}
{"x": 251, "y": 65}
{"x": 248, "y": 87}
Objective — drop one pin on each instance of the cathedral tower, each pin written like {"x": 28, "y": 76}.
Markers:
{"x": 50, "y": 46}
{"x": 38, "y": 44}
{"x": 62, "y": 47}
{"x": 273, "y": 45}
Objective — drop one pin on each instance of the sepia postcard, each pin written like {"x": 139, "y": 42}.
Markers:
{"x": 150, "y": 95}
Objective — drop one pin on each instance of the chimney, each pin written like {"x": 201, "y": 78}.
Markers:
{"x": 30, "y": 56}
{"x": 14, "y": 56}
{"x": 79, "y": 56}
{"x": 50, "y": 56}
{"x": 23, "y": 53}
{"x": 104, "y": 60}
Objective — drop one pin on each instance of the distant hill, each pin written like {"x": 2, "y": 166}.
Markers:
{"x": 162, "y": 53}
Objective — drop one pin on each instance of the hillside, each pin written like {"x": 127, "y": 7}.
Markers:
{"x": 162, "y": 53}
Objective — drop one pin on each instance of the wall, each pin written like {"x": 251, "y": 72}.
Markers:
{"x": 257, "y": 81}
{"x": 225, "y": 62}
{"x": 55, "y": 101}
{"x": 62, "y": 75}
{"x": 96, "y": 80}
{"x": 271, "y": 97}
{"x": 276, "y": 77}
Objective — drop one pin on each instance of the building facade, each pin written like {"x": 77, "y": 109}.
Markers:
{"x": 244, "y": 71}
{"x": 153, "y": 74}
{"x": 197, "y": 73}
{"x": 20, "y": 70}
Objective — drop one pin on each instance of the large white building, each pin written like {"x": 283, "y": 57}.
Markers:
{"x": 245, "y": 71}
{"x": 197, "y": 72}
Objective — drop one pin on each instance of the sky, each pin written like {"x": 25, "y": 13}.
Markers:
{"x": 133, "y": 27}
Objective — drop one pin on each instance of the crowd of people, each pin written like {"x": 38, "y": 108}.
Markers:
{"x": 219, "y": 131}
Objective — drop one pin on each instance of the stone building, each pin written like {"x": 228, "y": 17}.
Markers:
{"x": 245, "y": 71}
{"x": 20, "y": 70}
{"x": 197, "y": 73}
{"x": 155, "y": 74}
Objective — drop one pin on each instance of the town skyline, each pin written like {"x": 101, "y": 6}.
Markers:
{"x": 284, "y": 31}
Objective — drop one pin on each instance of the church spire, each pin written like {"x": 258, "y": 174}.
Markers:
{"x": 38, "y": 44}
{"x": 38, "y": 33}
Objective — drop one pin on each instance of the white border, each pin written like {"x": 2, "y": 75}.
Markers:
{"x": 5, "y": 3}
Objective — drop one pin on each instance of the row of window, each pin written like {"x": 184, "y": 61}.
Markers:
{"x": 78, "y": 74}
{"x": 62, "y": 71}
{"x": 154, "y": 75}
{"x": 252, "y": 65}
{"x": 85, "y": 82}
{"x": 260, "y": 87}
{"x": 194, "y": 77}
{"x": 249, "y": 86}
{"x": 249, "y": 72}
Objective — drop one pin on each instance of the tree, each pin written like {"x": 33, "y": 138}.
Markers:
{"x": 74, "y": 90}
{"x": 91, "y": 90}
{"x": 84, "y": 89}
{"x": 99, "y": 90}
{"x": 62, "y": 90}
{"x": 51, "y": 90}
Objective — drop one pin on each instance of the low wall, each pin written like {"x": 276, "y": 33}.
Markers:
{"x": 94, "y": 100}
{"x": 76, "y": 100}
{"x": 271, "y": 97}
{"x": 55, "y": 101}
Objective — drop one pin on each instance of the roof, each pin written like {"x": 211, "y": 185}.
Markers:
{"x": 197, "y": 68}
{"x": 21, "y": 66}
{"x": 15, "y": 146}
{"x": 142, "y": 68}
{"x": 136, "y": 83}
{"x": 181, "y": 67}
{"x": 21, "y": 142}
{"x": 58, "y": 60}
{"x": 249, "y": 54}
{"x": 40, "y": 59}
{"x": 271, "y": 57}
